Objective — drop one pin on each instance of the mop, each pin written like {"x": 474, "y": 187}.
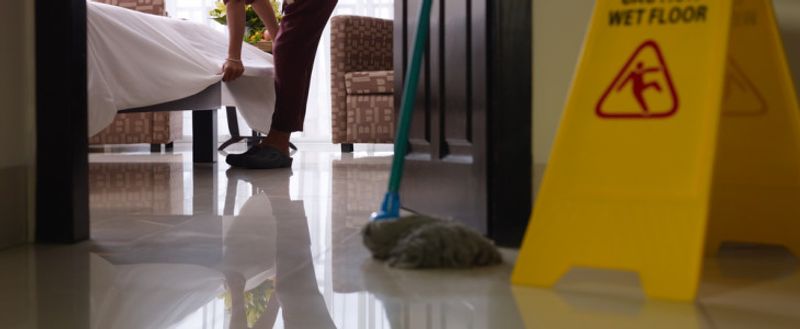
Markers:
{"x": 418, "y": 241}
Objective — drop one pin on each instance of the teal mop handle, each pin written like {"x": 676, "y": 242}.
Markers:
{"x": 409, "y": 96}
{"x": 390, "y": 208}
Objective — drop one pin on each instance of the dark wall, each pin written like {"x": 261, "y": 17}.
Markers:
{"x": 62, "y": 195}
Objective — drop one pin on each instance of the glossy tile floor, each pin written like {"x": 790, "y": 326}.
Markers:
{"x": 177, "y": 245}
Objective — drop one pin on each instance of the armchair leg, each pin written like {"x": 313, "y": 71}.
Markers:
{"x": 156, "y": 148}
{"x": 347, "y": 148}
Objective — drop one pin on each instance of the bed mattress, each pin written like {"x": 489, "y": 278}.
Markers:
{"x": 138, "y": 60}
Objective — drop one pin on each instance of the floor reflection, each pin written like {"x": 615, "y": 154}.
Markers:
{"x": 146, "y": 188}
{"x": 745, "y": 286}
{"x": 253, "y": 265}
{"x": 195, "y": 246}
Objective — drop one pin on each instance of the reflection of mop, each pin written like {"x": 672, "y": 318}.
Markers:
{"x": 418, "y": 241}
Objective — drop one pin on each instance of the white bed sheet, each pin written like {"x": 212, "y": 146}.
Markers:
{"x": 136, "y": 59}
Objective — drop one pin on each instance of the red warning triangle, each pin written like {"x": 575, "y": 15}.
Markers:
{"x": 642, "y": 89}
{"x": 741, "y": 97}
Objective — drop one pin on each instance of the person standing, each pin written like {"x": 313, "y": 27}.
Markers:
{"x": 294, "y": 47}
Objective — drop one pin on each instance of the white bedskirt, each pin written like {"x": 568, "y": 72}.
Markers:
{"x": 136, "y": 59}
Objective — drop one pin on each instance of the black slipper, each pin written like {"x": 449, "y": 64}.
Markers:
{"x": 260, "y": 157}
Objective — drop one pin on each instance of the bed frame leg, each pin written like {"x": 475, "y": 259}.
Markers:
{"x": 204, "y": 136}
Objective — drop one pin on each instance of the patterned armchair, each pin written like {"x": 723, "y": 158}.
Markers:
{"x": 362, "y": 81}
{"x": 154, "y": 128}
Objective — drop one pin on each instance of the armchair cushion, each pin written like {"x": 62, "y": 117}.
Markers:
{"x": 373, "y": 82}
{"x": 370, "y": 118}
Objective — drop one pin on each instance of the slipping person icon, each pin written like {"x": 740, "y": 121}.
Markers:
{"x": 639, "y": 85}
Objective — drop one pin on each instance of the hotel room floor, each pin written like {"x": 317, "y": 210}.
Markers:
{"x": 178, "y": 245}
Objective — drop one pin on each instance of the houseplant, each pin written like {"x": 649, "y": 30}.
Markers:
{"x": 255, "y": 32}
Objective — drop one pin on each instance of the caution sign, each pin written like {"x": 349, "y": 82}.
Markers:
{"x": 642, "y": 89}
{"x": 741, "y": 95}
{"x": 681, "y": 132}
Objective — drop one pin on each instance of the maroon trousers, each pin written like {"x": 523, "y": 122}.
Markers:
{"x": 293, "y": 51}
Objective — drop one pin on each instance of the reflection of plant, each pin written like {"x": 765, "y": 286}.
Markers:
{"x": 255, "y": 301}
{"x": 254, "y": 27}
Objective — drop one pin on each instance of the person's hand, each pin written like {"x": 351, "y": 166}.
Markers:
{"x": 232, "y": 70}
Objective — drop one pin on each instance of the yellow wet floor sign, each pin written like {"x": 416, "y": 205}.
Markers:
{"x": 680, "y": 132}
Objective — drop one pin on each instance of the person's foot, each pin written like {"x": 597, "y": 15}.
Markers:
{"x": 260, "y": 157}
{"x": 278, "y": 140}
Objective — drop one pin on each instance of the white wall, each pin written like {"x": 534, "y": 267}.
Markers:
{"x": 558, "y": 30}
{"x": 16, "y": 122}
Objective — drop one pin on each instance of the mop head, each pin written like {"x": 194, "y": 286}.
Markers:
{"x": 423, "y": 242}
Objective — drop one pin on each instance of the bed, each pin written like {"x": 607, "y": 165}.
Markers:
{"x": 141, "y": 63}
